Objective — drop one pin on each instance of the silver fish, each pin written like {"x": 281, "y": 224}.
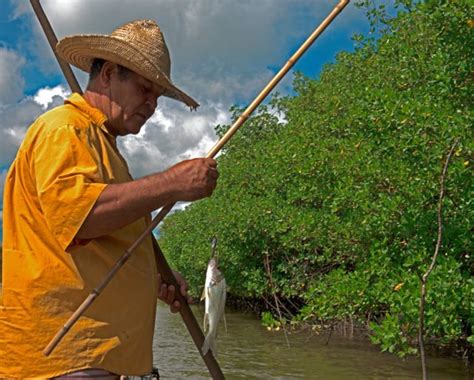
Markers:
{"x": 214, "y": 294}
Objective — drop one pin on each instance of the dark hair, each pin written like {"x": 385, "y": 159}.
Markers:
{"x": 97, "y": 64}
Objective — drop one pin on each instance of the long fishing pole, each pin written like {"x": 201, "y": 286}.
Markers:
{"x": 165, "y": 270}
{"x": 51, "y": 37}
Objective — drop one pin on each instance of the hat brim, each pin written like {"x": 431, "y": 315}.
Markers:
{"x": 81, "y": 50}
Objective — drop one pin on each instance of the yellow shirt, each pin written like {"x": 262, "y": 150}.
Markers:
{"x": 66, "y": 160}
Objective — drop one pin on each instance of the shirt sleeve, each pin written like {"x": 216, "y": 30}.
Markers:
{"x": 68, "y": 179}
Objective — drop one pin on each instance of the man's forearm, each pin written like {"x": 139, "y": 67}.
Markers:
{"x": 122, "y": 204}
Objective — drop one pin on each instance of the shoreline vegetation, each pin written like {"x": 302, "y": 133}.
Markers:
{"x": 349, "y": 328}
{"x": 328, "y": 201}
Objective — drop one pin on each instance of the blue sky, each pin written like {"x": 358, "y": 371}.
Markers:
{"x": 15, "y": 35}
{"x": 223, "y": 53}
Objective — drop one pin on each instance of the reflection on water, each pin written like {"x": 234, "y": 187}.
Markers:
{"x": 249, "y": 351}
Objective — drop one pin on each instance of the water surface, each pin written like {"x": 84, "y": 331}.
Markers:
{"x": 249, "y": 351}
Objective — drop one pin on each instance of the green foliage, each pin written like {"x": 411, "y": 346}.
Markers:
{"x": 342, "y": 197}
{"x": 269, "y": 321}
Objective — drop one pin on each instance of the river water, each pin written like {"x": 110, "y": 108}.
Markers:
{"x": 248, "y": 351}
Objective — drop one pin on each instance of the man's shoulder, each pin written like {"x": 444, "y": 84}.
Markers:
{"x": 63, "y": 115}
{"x": 60, "y": 121}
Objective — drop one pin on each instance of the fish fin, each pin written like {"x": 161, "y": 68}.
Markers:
{"x": 203, "y": 294}
{"x": 205, "y": 322}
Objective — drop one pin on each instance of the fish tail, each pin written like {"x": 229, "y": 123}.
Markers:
{"x": 205, "y": 346}
{"x": 209, "y": 343}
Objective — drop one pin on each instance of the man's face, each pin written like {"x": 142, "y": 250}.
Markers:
{"x": 133, "y": 100}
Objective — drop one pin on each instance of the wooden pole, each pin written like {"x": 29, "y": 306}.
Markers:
{"x": 48, "y": 31}
{"x": 277, "y": 78}
{"x": 161, "y": 261}
{"x": 424, "y": 278}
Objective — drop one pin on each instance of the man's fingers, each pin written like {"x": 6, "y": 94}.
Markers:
{"x": 184, "y": 289}
{"x": 213, "y": 173}
{"x": 170, "y": 296}
{"x": 163, "y": 292}
{"x": 211, "y": 162}
{"x": 167, "y": 293}
{"x": 175, "y": 306}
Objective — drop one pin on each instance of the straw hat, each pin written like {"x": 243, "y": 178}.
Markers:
{"x": 138, "y": 45}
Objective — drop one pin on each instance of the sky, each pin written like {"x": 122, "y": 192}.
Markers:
{"x": 223, "y": 53}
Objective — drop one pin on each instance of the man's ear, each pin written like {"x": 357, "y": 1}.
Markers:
{"x": 106, "y": 72}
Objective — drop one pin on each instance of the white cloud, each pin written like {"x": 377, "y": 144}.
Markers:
{"x": 46, "y": 96}
{"x": 171, "y": 135}
{"x": 11, "y": 81}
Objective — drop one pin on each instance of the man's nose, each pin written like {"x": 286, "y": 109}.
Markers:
{"x": 152, "y": 102}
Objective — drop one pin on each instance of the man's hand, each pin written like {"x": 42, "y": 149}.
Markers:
{"x": 166, "y": 292}
{"x": 193, "y": 179}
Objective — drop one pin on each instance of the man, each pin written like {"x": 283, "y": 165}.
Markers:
{"x": 71, "y": 209}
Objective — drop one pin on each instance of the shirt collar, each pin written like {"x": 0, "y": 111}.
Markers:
{"x": 96, "y": 115}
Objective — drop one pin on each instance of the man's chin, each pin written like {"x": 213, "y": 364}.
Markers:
{"x": 134, "y": 129}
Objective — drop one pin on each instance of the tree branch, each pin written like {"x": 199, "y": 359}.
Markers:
{"x": 424, "y": 278}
